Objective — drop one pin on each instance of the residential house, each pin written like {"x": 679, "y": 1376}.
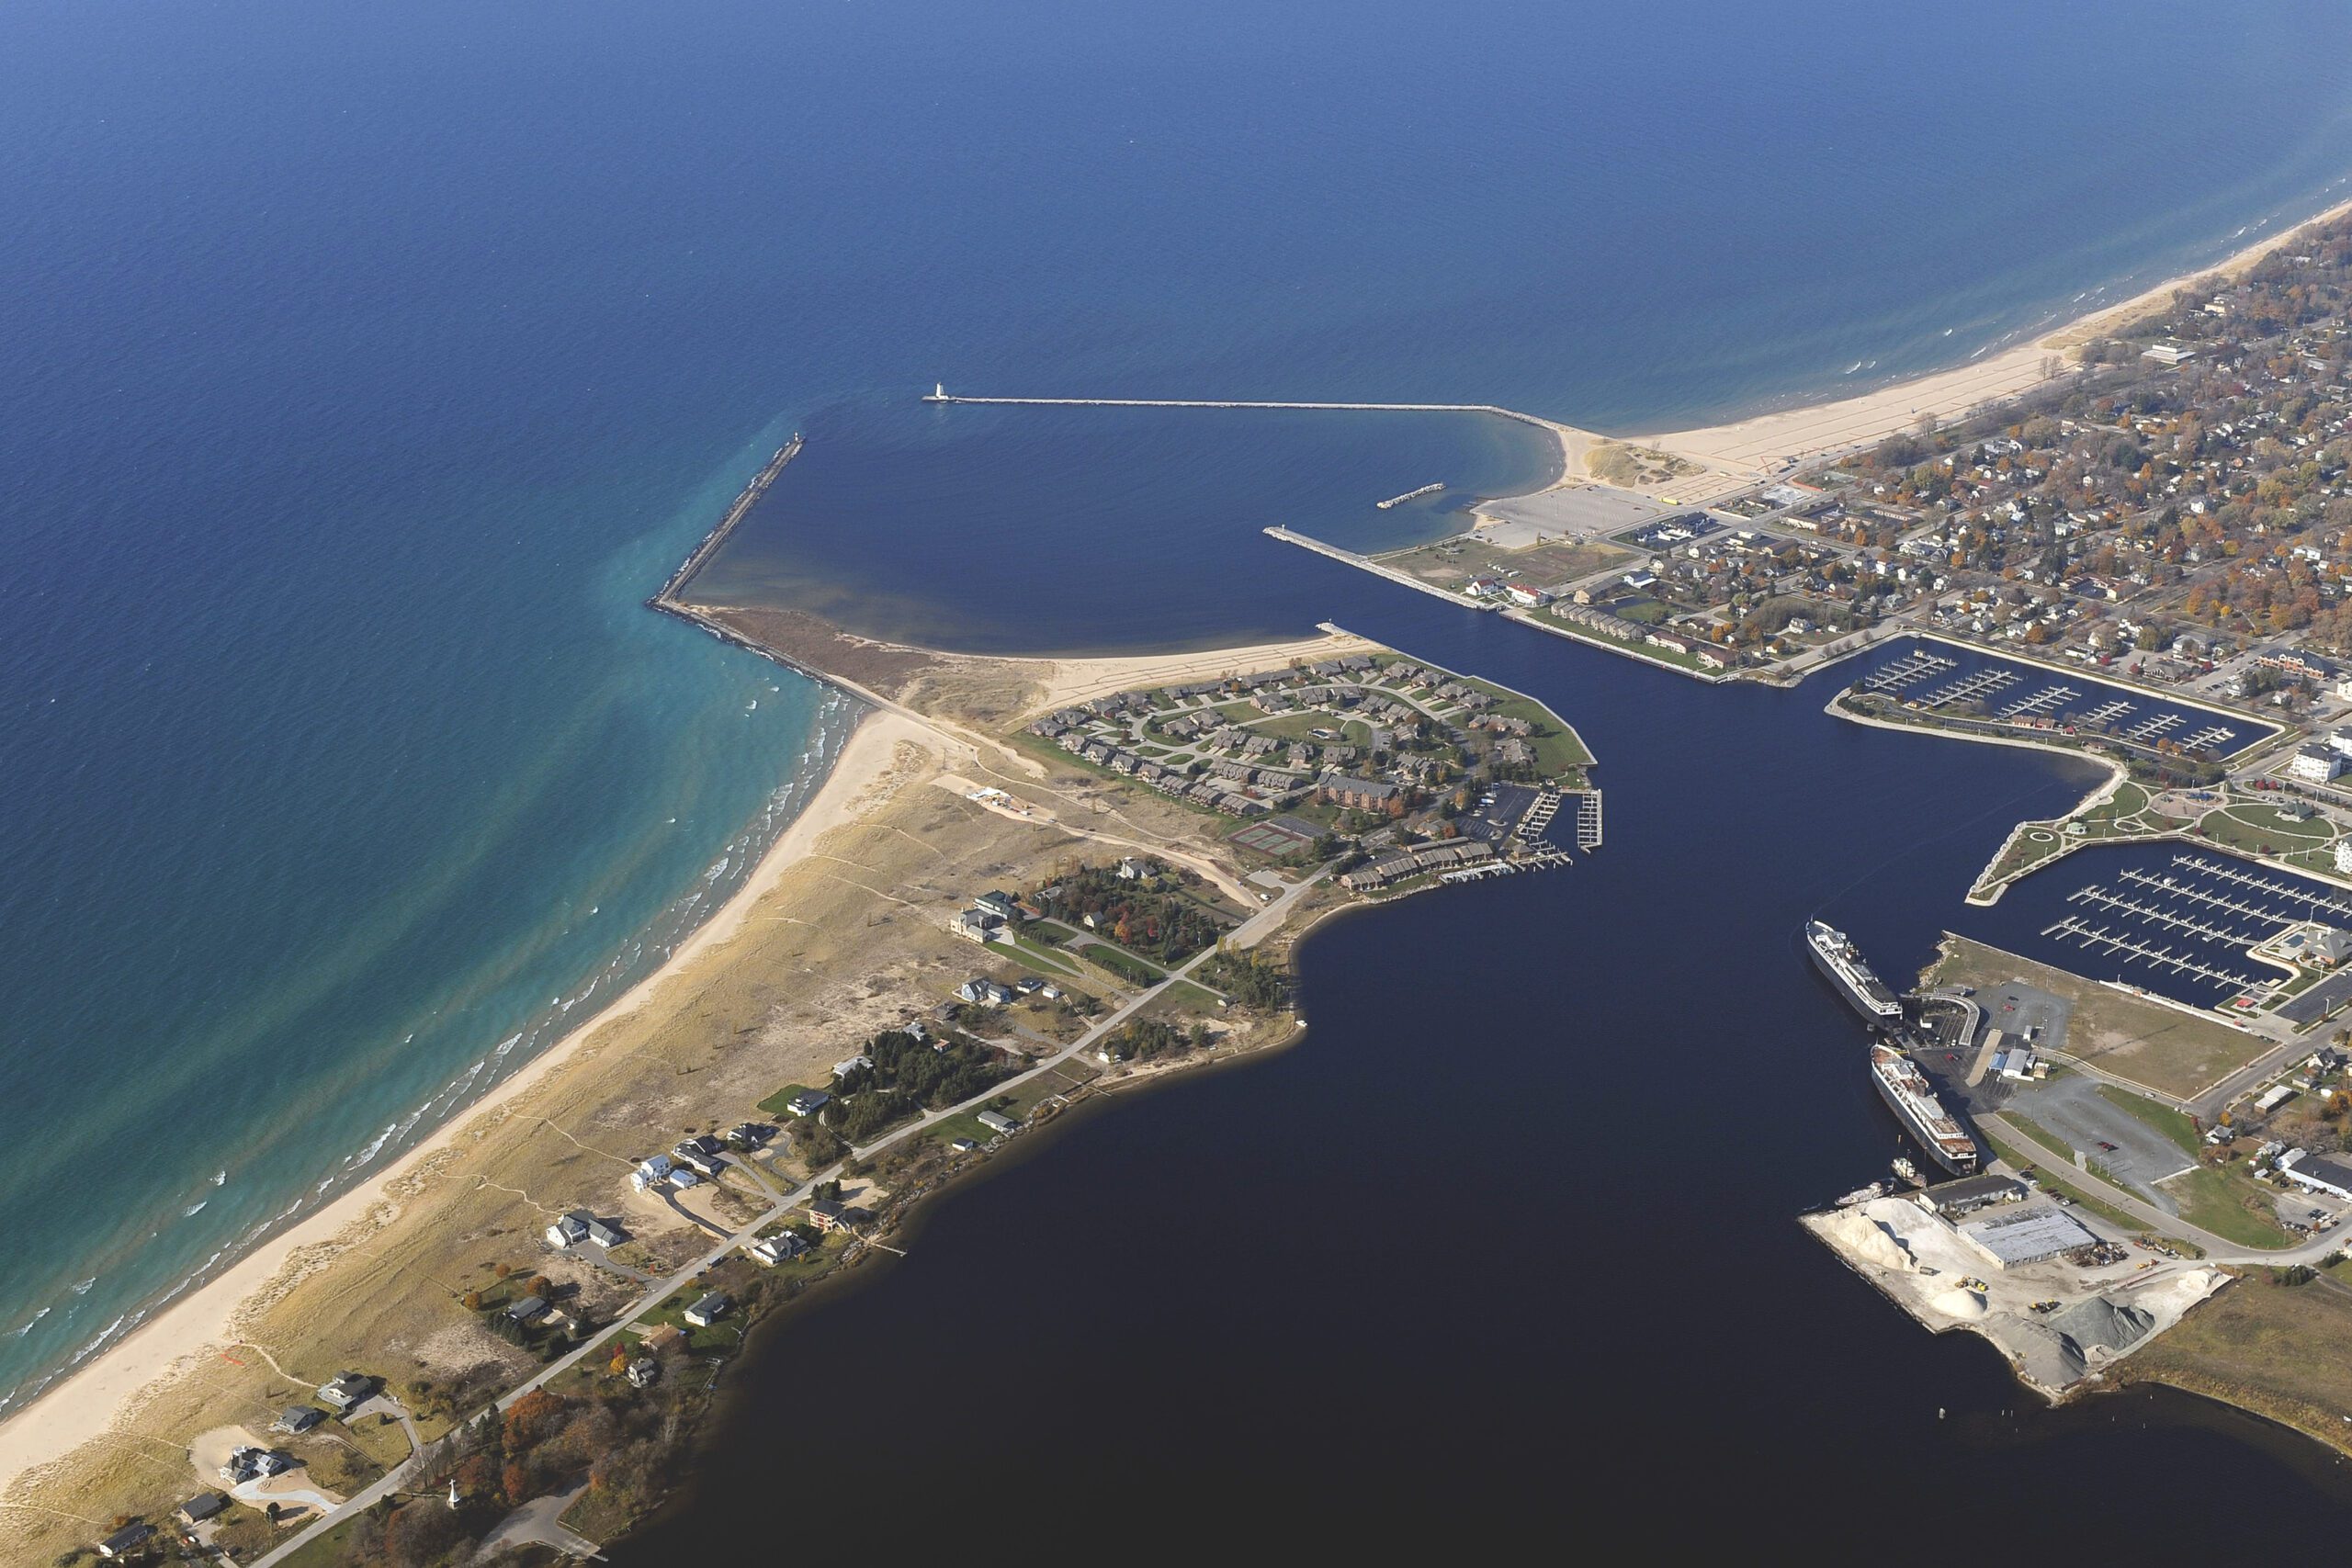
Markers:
{"x": 127, "y": 1540}
{"x": 708, "y": 1310}
{"x": 778, "y": 1249}
{"x": 997, "y": 1122}
{"x": 347, "y": 1389}
{"x": 297, "y": 1419}
{"x": 976, "y": 925}
{"x": 808, "y": 1102}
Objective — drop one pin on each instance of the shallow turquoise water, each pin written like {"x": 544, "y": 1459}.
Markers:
{"x": 363, "y": 371}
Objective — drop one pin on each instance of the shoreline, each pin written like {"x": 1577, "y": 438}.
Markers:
{"x": 1786, "y": 438}
{"x": 91, "y": 1400}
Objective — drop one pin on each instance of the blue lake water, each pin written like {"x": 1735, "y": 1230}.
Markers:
{"x": 992, "y": 529}
{"x": 364, "y": 369}
{"x": 1507, "y": 1237}
{"x": 2174, "y": 919}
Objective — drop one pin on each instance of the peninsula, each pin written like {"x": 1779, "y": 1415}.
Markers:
{"x": 1029, "y": 884}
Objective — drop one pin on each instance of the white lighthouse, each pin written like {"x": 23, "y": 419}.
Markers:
{"x": 938, "y": 393}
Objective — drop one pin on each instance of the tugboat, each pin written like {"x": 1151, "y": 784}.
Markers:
{"x": 1834, "y": 954}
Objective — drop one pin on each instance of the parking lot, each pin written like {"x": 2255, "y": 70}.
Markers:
{"x": 2127, "y": 1148}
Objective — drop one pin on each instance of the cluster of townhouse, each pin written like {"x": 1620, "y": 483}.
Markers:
{"x": 1397, "y": 865}
{"x": 1189, "y": 742}
{"x": 1618, "y": 629}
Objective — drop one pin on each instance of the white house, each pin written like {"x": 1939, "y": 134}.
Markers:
{"x": 2344, "y": 857}
{"x": 776, "y": 1248}
{"x": 2315, "y": 764}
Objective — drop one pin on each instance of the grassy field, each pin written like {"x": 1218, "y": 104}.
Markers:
{"x": 1303, "y": 726}
{"x": 2254, "y": 1345}
{"x": 1452, "y": 562}
{"x": 773, "y": 1105}
{"x": 2263, "y": 829}
{"x": 1118, "y": 961}
{"x": 2233, "y": 1207}
{"x": 2174, "y": 1053}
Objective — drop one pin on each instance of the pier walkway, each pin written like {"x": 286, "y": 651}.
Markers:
{"x": 1495, "y": 410}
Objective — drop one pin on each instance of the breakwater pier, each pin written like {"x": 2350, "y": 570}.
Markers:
{"x": 667, "y": 597}
{"x": 940, "y": 394}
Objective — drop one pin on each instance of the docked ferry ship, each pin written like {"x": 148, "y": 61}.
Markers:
{"x": 1905, "y": 1088}
{"x": 1837, "y": 957}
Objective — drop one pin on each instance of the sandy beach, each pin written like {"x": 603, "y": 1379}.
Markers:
{"x": 1770, "y": 441}
{"x": 85, "y": 1406}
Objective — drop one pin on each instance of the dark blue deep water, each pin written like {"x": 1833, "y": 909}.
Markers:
{"x": 361, "y": 369}
{"x": 1503, "y": 1253}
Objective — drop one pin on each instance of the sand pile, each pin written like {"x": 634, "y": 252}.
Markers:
{"x": 1868, "y": 1241}
{"x": 1959, "y": 1303}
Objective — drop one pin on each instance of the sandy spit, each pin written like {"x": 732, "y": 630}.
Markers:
{"x": 87, "y": 1404}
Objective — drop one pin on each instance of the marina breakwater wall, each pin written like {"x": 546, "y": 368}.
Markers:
{"x": 667, "y": 597}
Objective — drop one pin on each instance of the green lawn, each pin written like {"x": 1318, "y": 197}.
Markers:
{"x": 1120, "y": 962}
{"x": 1303, "y": 726}
{"x": 2230, "y": 1206}
{"x": 724, "y": 1335}
{"x": 2262, "y": 829}
{"x": 1044, "y": 959}
{"x": 773, "y": 1105}
{"x": 2173, "y": 1125}
{"x": 1182, "y": 996}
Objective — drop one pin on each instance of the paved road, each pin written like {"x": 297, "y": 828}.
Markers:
{"x": 2217, "y": 1249}
{"x": 539, "y": 1522}
{"x": 1248, "y": 933}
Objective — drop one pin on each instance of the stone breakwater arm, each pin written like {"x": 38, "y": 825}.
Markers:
{"x": 667, "y": 599}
